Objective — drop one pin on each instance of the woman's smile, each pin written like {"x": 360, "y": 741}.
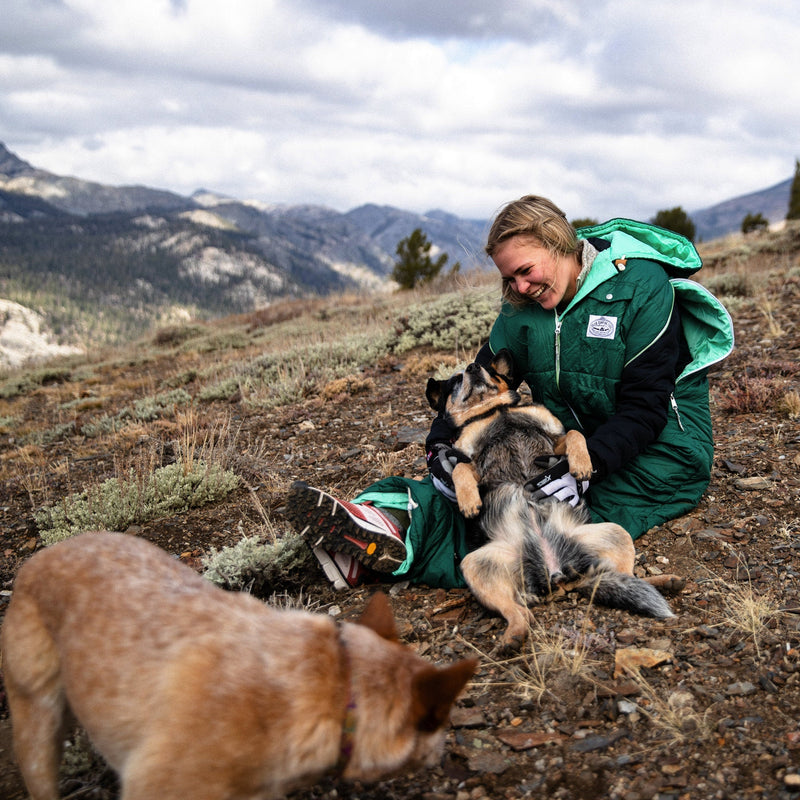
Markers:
{"x": 545, "y": 278}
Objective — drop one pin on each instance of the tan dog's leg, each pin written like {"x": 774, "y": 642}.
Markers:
{"x": 494, "y": 574}
{"x": 36, "y": 699}
{"x": 573, "y": 445}
{"x": 465, "y": 480}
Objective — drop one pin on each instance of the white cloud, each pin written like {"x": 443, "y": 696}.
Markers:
{"x": 609, "y": 107}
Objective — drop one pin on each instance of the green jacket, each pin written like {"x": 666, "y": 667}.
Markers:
{"x": 573, "y": 362}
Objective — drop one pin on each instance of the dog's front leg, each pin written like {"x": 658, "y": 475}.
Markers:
{"x": 494, "y": 575}
{"x": 465, "y": 480}
{"x": 573, "y": 445}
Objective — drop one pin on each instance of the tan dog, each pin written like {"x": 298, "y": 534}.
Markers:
{"x": 532, "y": 548}
{"x": 194, "y": 693}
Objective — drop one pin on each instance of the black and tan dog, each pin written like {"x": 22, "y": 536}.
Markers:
{"x": 532, "y": 548}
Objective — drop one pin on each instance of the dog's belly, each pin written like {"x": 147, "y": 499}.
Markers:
{"x": 507, "y": 453}
{"x": 504, "y": 459}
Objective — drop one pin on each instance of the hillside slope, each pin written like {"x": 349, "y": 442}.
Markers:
{"x": 323, "y": 391}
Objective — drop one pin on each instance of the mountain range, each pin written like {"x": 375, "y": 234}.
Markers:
{"x": 303, "y": 248}
{"x": 69, "y": 247}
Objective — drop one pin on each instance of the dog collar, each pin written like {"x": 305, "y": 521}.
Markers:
{"x": 347, "y": 737}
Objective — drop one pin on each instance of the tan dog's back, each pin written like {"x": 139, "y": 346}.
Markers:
{"x": 191, "y": 691}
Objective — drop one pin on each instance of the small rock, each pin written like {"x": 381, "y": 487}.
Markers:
{"x": 680, "y": 699}
{"x": 599, "y": 742}
{"x": 752, "y": 484}
{"x": 488, "y": 761}
{"x": 733, "y": 467}
{"x": 630, "y": 659}
{"x": 522, "y": 740}
{"x": 741, "y": 689}
{"x": 467, "y": 718}
{"x": 791, "y": 781}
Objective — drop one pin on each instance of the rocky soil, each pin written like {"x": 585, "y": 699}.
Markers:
{"x": 600, "y": 703}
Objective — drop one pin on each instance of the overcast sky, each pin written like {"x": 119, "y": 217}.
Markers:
{"x": 608, "y": 107}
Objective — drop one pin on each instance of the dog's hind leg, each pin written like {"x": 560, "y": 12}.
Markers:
{"x": 35, "y": 698}
{"x": 494, "y": 574}
{"x": 613, "y": 545}
{"x": 607, "y": 541}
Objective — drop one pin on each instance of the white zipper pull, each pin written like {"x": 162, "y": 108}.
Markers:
{"x": 674, "y": 403}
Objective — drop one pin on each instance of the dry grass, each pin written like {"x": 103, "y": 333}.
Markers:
{"x": 745, "y": 610}
{"x": 748, "y": 612}
{"x": 790, "y": 403}
{"x": 552, "y": 660}
{"x": 675, "y": 714}
{"x": 768, "y": 310}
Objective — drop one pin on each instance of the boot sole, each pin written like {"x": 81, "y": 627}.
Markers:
{"x": 324, "y": 522}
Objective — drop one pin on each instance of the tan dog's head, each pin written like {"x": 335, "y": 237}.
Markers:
{"x": 404, "y": 701}
{"x": 474, "y": 392}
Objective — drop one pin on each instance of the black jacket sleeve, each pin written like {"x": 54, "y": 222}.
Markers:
{"x": 441, "y": 432}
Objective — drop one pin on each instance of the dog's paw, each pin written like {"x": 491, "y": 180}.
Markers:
{"x": 573, "y": 445}
{"x": 582, "y": 474}
{"x": 510, "y": 645}
{"x": 580, "y": 467}
{"x": 668, "y": 585}
{"x": 470, "y": 509}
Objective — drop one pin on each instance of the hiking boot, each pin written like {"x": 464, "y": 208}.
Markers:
{"x": 370, "y": 535}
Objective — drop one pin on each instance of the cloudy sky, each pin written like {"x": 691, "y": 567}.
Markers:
{"x": 609, "y": 107}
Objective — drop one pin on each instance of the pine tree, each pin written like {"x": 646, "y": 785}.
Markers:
{"x": 677, "y": 220}
{"x": 794, "y": 194}
{"x": 414, "y": 264}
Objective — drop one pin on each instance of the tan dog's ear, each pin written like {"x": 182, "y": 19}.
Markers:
{"x": 378, "y": 617}
{"x": 434, "y": 690}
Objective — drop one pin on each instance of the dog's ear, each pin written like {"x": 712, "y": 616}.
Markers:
{"x": 434, "y": 690}
{"x": 378, "y": 617}
{"x": 503, "y": 365}
{"x": 434, "y": 392}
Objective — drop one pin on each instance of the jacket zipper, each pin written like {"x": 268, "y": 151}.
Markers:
{"x": 558, "y": 367}
{"x": 674, "y": 403}
{"x": 558, "y": 350}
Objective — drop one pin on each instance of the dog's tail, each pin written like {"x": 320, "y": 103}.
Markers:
{"x": 618, "y": 590}
{"x": 605, "y": 586}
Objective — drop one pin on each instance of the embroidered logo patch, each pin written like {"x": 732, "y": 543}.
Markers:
{"x": 601, "y": 327}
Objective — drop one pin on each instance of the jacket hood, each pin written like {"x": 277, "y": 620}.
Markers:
{"x": 631, "y": 239}
{"x": 706, "y": 323}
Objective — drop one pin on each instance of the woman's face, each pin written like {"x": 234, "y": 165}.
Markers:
{"x": 535, "y": 273}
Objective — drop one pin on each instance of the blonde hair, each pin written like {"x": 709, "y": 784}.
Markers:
{"x": 537, "y": 219}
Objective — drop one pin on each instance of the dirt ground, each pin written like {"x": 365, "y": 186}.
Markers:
{"x": 711, "y": 708}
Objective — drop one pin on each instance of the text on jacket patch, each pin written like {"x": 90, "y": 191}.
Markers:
{"x": 601, "y": 327}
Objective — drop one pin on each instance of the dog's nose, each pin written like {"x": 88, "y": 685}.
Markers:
{"x": 473, "y": 368}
